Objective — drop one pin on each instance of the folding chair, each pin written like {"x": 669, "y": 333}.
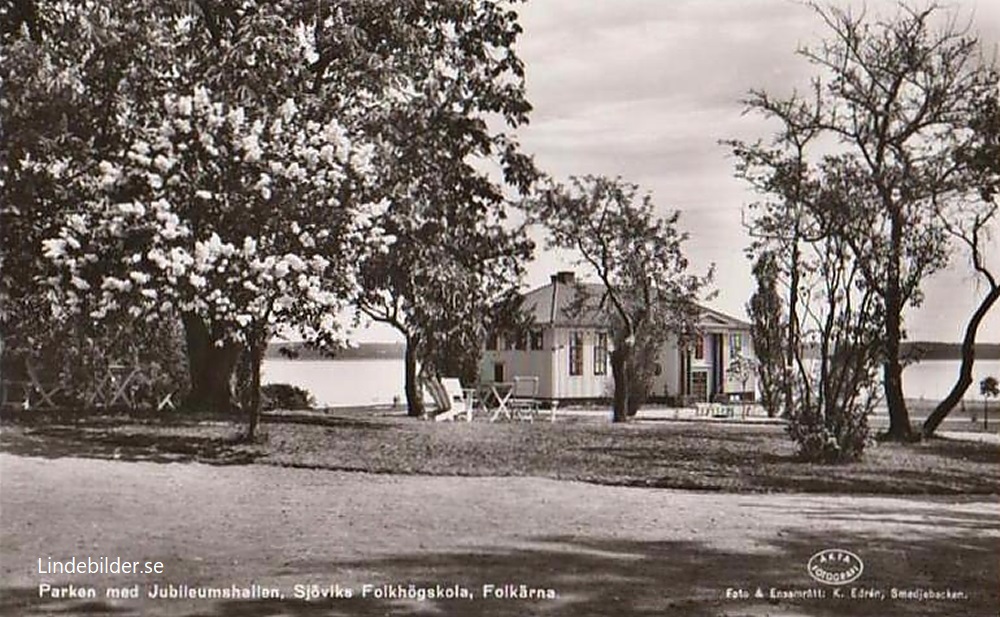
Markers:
{"x": 523, "y": 399}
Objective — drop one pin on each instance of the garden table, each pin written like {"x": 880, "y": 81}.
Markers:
{"x": 500, "y": 392}
{"x": 45, "y": 391}
{"x": 122, "y": 378}
{"x": 113, "y": 387}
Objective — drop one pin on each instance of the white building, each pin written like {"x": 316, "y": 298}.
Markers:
{"x": 568, "y": 350}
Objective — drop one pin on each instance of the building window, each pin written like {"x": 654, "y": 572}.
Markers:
{"x": 601, "y": 354}
{"x": 576, "y": 353}
{"x": 510, "y": 342}
{"x": 736, "y": 344}
{"x": 699, "y": 347}
{"x": 521, "y": 342}
{"x": 492, "y": 341}
{"x": 537, "y": 339}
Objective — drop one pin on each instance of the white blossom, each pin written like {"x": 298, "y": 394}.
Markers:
{"x": 162, "y": 163}
{"x": 184, "y": 106}
{"x": 201, "y": 99}
{"x": 288, "y": 109}
{"x": 139, "y": 277}
{"x": 54, "y": 249}
{"x": 236, "y": 118}
{"x": 79, "y": 283}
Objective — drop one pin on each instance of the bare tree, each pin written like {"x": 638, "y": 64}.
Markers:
{"x": 892, "y": 101}
{"x": 972, "y": 224}
{"x": 972, "y": 233}
{"x": 779, "y": 225}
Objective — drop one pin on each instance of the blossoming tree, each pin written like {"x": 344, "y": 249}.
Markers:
{"x": 239, "y": 216}
{"x": 68, "y": 72}
{"x": 219, "y": 120}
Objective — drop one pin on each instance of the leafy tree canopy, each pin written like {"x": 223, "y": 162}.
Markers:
{"x": 638, "y": 257}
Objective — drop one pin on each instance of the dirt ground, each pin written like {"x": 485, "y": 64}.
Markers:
{"x": 598, "y": 549}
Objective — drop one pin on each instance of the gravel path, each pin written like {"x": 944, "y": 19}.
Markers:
{"x": 600, "y": 549}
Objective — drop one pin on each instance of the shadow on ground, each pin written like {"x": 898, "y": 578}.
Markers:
{"x": 607, "y": 576}
{"x": 159, "y": 439}
{"x": 120, "y": 443}
{"x": 665, "y": 455}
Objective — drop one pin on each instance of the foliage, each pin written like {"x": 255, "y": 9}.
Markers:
{"x": 64, "y": 69}
{"x": 837, "y": 392}
{"x": 185, "y": 220}
{"x": 456, "y": 263}
{"x": 377, "y": 116}
{"x": 202, "y": 131}
{"x": 646, "y": 289}
{"x": 768, "y": 333}
{"x": 989, "y": 387}
{"x": 285, "y": 396}
{"x": 802, "y": 244}
{"x": 76, "y": 358}
{"x": 194, "y": 239}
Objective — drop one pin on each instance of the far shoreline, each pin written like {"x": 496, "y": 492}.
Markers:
{"x": 914, "y": 352}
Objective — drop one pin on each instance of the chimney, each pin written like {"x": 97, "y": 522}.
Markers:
{"x": 565, "y": 277}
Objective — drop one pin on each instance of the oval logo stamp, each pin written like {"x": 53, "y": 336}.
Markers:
{"x": 835, "y": 566}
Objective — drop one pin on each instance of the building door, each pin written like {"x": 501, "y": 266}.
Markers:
{"x": 699, "y": 385}
{"x": 498, "y": 372}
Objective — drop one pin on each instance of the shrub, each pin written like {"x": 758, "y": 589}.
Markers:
{"x": 829, "y": 420}
{"x": 285, "y": 396}
{"x": 829, "y": 440}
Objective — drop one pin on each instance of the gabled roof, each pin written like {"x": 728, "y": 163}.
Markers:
{"x": 711, "y": 318}
{"x": 560, "y": 304}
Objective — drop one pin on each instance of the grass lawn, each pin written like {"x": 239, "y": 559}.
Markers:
{"x": 703, "y": 456}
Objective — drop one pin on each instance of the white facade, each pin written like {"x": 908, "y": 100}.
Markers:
{"x": 566, "y": 352}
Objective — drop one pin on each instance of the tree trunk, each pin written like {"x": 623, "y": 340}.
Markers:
{"x": 210, "y": 366}
{"x": 414, "y": 397}
{"x": 620, "y": 374}
{"x": 892, "y": 368}
{"x": 965, "y": 371}
{"x": 256, "y": 352}
{"x": 792, "y": 348}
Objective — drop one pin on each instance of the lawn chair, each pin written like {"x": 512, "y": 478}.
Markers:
{"x": 457, "y": 400}
{"x": 523, "y": 401}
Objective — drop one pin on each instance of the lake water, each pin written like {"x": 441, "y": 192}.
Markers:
{"x": 336, "y": 383}
{"x": 933, "y": 379}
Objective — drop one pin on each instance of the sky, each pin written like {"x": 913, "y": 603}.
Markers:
{"x": 645, "y": 89}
